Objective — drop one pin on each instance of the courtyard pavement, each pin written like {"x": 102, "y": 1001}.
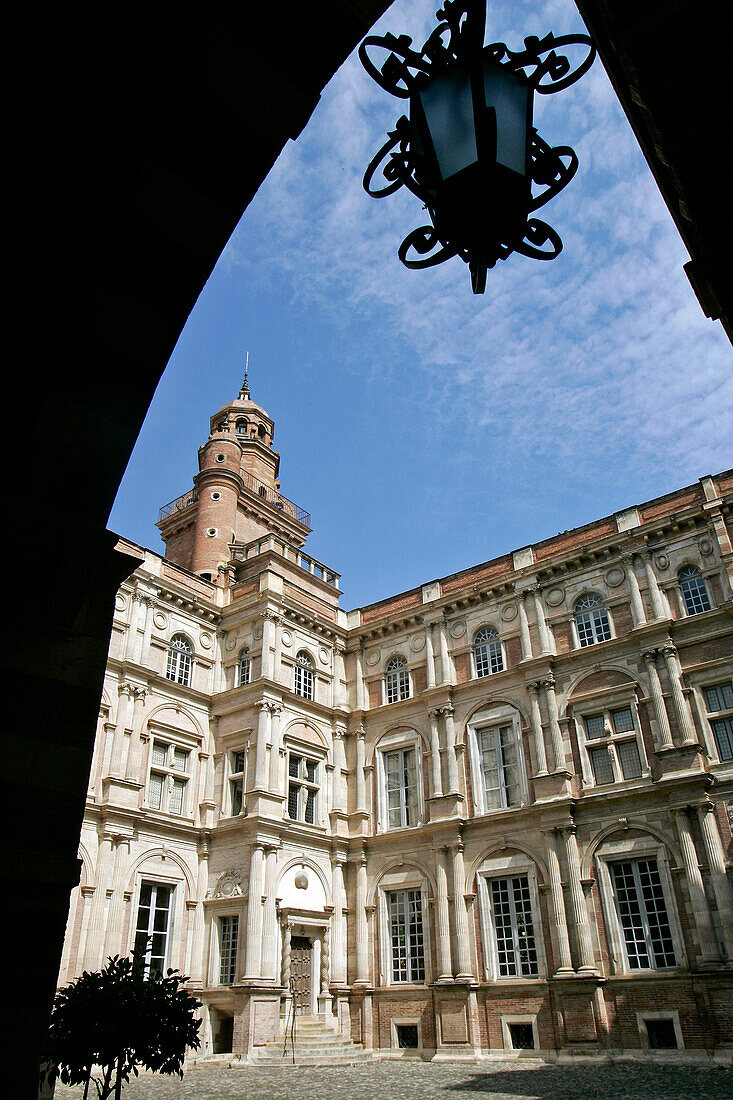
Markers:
{"x": 424, "y": 1081}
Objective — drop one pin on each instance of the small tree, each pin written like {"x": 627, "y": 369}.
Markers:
{"x": 117, "y": 1019}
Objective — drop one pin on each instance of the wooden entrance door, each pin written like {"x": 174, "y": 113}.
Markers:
{"x": 301, "y": 968}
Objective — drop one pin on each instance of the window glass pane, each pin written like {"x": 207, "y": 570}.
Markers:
{"x": 160, "y": 753}
{"x": 177, "y": 798}
{"x": 513, "y": 927}
{"x": 622, "y": 720}
{"x": 601, "y": 763}
{"x": 238, "y": 761}
{"x": 404, "y": 909}
{"x": 595, "y": 726}
{"x": 719, "y": 697}
{"x": 152, "y": 925}
{"x": 310, "y": 770}
{"x": 642, "y": 912}
{"x": 629, "y": 759}
{"x": 293, "y": 792}
{"x": 155, "y": 790}
{"x": 694, "y": 591}
{"x": 310, "y": 808}
{"x": 236, "y": 790}
{"x": 294, "y": 765}
{"x": 180, "y": 760}
{"x": 723, "y": 733}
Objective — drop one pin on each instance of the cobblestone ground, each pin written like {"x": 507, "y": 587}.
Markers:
{"x": 423, "y": 1081}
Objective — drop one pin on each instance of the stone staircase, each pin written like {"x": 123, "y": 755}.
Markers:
{"x": 315, "y": 1045}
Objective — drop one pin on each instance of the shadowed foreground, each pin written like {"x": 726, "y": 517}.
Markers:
{"x": 423, "y": 1081}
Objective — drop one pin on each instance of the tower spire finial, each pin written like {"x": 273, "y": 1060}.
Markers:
{"x": 244, "y": 392}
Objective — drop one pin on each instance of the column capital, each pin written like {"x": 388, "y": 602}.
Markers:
{"x": 339, "y": 647}
{"x": 447, "y": 709}
{"x": 650, "y": 655}
{"x": 268, "y": 615}
{"x": 669, "y": 649}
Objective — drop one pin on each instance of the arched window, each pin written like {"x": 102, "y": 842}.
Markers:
{"x": 241, "y": 427}
{"x": 487, "y": 654}
{"x": 179, "y": 660}
{"x": 694, "y": 590}
{"x": 244, "y": 668}
{"x": 303, "y": 675}
{"x": 396, "y": 680}
{"x": 591, "y": 619}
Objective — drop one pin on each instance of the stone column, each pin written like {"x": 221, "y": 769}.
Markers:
{"x": 275, "y": 739}
{"x": 435, "y": 754}
{"x": 429, "y": 656}
{"x": 150, "y": 602}
{"x": 113, "y": 939}
{"x": 362, "y": 929}
{"x": 537, "y": 731}
{"x": 442, "y": 918}
{"x": 558, "y": 749}
{"x": 269, "y": 929}
{"x": 524, "y": 635}
{"x": 659, "y": 607}
{"x": 450, "y": 742}
{"x": 637, "y": 604}
{"x": 197, "y": 956}
{"x": 361, "y": 805}
{"x": 131, "y": 639}
{"x": 254, "y": 912}
{"x": 448, "y": 675}
{"x": 463, "y": 943}
{"x": 339, "y": 675}
{"x": 360, "y": 690}
{"x": 267, "y": 664}
{"x": 338, "y": 947}
{"x": 95, "y": 945}
{"x": 121, "y": 726}
{"x": 287, "y": 954}
{"x": 558, "y": 906}
{"x": 682, "y": 710}
{"x": 700, "y": 908}
{"x": 660, "y": 709}
{"x": 718, "y": 878}
{"x": 579, "y": 907}
{"x": 134, "y": 767}
{"x": 542, "y": 627}
{"x": 339, "y": 762}
{"x": 263, "y": 736}
{"x": 325, "y": 961}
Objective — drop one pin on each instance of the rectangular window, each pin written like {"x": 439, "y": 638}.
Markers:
{"x": 612, "y": 744}
{"x": 303, "y": 788}
{"x": 229, "y": 936}
{"x": 400, "y": 770}
{"x": 406, "y": 935}
{"x": 511, "y": 909}
{"x": 236, "y": 781}
{"x": 642, "y": 912}
{"x": 166, "y": 784}
{"x": 499, "y": 766}
{"x": 719, "y": 698}
{"x": 153, "y": 925}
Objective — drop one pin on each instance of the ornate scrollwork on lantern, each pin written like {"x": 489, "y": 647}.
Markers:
{"x": 455, "y": 49}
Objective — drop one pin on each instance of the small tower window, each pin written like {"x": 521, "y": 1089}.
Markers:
{"x": 487, "y": 653}
{"x": 303, "y": 675}
{"x": 262, "y": 431}
{"x": 178, "y": 668}
{"x": 591, "y": 619}
{"x": 694, "y": 590}
{"x": 244, "y": 668}
{"x": 396, "y": 680}
{"x": 241, "y": 427}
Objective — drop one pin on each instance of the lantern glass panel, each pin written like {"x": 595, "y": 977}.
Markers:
{"x": 448, "y": 108}
{"x": 510, "y": 100}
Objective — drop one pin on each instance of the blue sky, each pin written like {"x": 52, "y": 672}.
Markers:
{"x": 425, "y": 428}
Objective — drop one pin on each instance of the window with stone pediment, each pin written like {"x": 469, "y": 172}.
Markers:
{"x": 488, "y": 656}
{"x": 612, "y": 746}
{"x": 168, "y": 777}
{"x": 303, "y": 676}
{"x": 591, "y": 620}
{"x": 153, "y": 924}
{"x": 497, "y": 759}
{"x": 304, "y": 784}
{"x": 406, "y": 937}
{"x": 694, "y": 590}
{"x": 178, "y": 667}
{"x": 396, "y": 680}
{"x": 510, "y": 918}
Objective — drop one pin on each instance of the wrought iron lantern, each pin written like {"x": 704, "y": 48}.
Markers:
{"x": 469, "y": 150}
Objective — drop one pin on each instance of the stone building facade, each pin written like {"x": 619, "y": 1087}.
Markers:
{"x": 488, "y": 816}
